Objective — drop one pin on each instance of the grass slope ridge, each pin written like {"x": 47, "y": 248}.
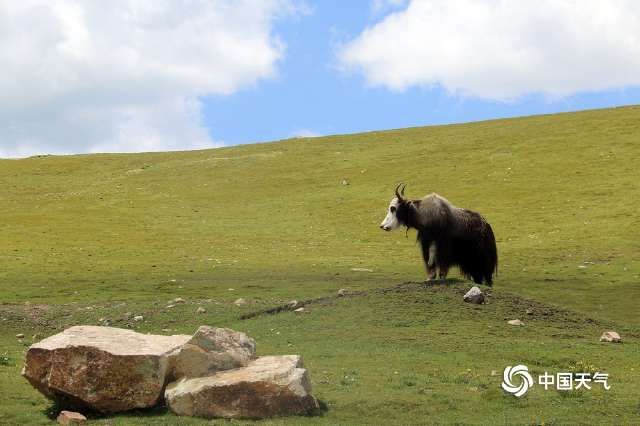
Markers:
{"x": 81, "y": 235}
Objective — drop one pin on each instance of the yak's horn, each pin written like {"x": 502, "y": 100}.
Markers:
{"x": 399, "y": 195}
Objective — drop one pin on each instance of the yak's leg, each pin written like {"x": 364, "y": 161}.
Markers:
{"x": 432, "y": 261}
{"x": 443, "y": 271}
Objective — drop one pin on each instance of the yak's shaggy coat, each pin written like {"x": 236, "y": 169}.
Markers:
{"x": 450, "y": 236}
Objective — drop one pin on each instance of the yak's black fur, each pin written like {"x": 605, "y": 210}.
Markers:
{"x": 462, "y": 237}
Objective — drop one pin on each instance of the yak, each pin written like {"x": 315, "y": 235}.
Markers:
{"x": 448, "y": 236}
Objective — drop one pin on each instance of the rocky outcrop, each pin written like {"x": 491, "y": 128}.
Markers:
{"x": 269, "y": 386}
{"x": 211, "y": 350}
{"x": 110, "y": 370}
{"x": 101, "y": 368}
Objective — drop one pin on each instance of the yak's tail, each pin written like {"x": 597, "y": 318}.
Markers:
{"x": 491, "y": 250}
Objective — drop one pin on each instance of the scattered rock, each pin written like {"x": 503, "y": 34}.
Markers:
{"x": 210, "y": 350}
{"x": 529, "y": 312}
{"x": 269, "y": 386}
{"x": 178, "y": 300}
{"x": 582, "y": 267}
{"x": 71, "y": 418}
{"x": 344, "y": 182}
{"x": 610, "y": 336}
{"x": 494, "y": 373}
{"x": 240, "y": 302}
{"x": 171, "y": 306}
{"x": 201, "y": 310}
{"x": 138, "y": 318}
{"x": 20, "y": 336}
{"x": 299, "y": 310}
{"x": 515, "y": 322}
{"x": 361, "y": 270}
{"x": 293, "y": 304}
{"x": 342, "y": 292}
{"x": 102, "y": 368}
{"x": 474, "y": 295}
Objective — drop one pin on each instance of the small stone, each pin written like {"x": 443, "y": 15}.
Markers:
{"x": 299, "y": 310}
{"x": 293, "y": 304}
{"x": 610, "y": 336}
{"x": 201, "y": 310}
{"x": 342, "y": 292}
{"x": 138, "y": 318}
{"x": 529, "y": 312}
{"x": 582, "y": 267}
{"x": 71, "y": 418}
{"x": 178, "y": 300}
{"x": 515, "y": 322}
{"x": 20, "y": 336}
{"x": 240, "y": 302}
{"x": 362, "y": 270}
{"x": 494, "y": 373}
{"x": 345, "y": 182}
{"x": 474, "y": 295}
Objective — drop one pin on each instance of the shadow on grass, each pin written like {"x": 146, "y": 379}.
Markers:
{"x": 160, "y": 410}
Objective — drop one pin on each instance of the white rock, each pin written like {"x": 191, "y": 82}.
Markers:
{"x": 71, "y": 418}
{"x": 474, "y": 295}
{"x": 102, "y": 368}
{"x": 269, "y": 386}
{"x": 516, "y": 322}
{"x": 610, "y": 336}
{"x": 299, "y": 310}
{"x": 178, "y": 300}
{"x": 201, "y": 310}
{"x": 138, "y": 318}
{"x": 342, "y": 292}
{"x": 210, "y": 350}
{"x": 240, "y": 302}
{"x": 362, "y": 270}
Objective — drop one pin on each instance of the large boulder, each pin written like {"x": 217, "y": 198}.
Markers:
{"x": 101, "y": 368}
{"x": 269, "y": 386}
{"x": 211, "y": 350}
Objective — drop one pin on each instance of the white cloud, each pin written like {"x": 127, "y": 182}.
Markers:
{"x": 306, "y": 133}
{"x": 126, "y": 75}
{"x": 498, "y": 49}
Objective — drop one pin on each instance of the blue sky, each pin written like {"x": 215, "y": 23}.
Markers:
{"x": 162, "y": 75}
{"x": 311, "y": 93}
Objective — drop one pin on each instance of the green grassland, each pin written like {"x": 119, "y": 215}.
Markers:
{"x": 95, "y": 236}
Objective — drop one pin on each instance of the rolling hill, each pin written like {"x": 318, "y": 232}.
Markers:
{"x": 291, "y": 220}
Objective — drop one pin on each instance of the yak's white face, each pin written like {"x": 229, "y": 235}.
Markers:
{"x": 391, "y": 221}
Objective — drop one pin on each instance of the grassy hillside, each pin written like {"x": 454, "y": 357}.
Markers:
{"x": 274, "y": 222}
